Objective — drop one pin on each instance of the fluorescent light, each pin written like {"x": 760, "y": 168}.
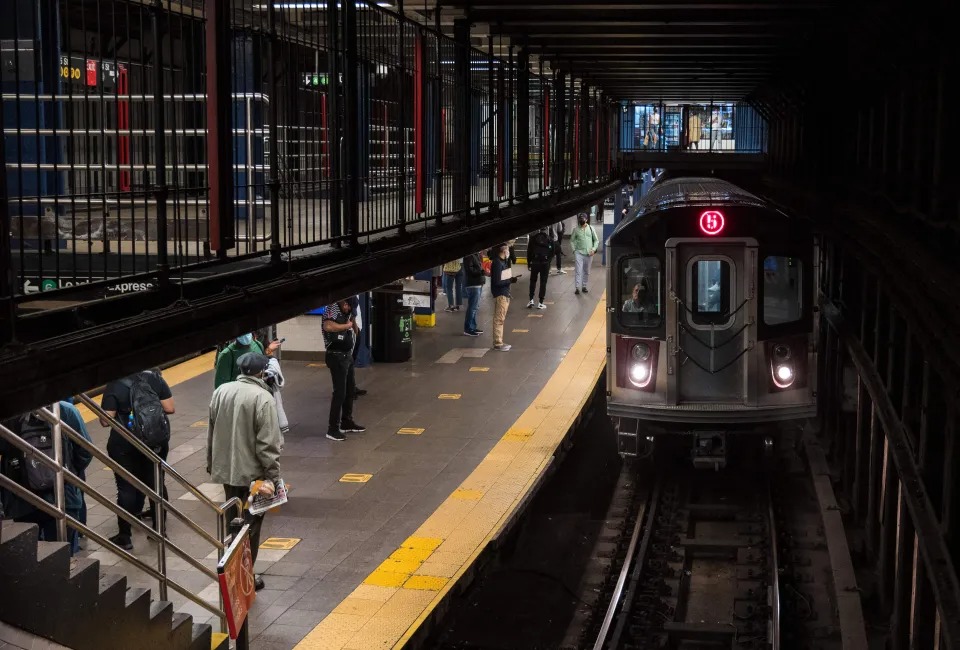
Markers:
{"x": 314, "y": 6}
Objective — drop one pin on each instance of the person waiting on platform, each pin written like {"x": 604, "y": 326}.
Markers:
{"x": 585, "y": 243}
{"x": 226, "y": 368}
{"x": 556, "y": 235}
{"x": 141, "y": 403}
{"x": 501, "y": 277}
{"x": 339, "y": 336}
{"x": 243, "y": 440}
{"x": 539, "y": 252}
{"x": 474, "y": 278}
{"x": 453, "y": 284}
{"x": 358, "y": 320}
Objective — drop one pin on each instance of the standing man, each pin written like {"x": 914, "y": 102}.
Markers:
{"x": 140, "y": 402}
{"x": 584, "y": 243}
{"x": 539, "y": 252}
{"x": 557, "y": 231}
{"x": 358, "y": 321}
{"x": 474, "y": 281}
{"x": 339, "y": 337}
{"x": 501, "y": 277}
{"x": 227, "y": 368}
{"x": 243, "y": 440}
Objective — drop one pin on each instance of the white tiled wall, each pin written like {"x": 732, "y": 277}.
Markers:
{"x": 303, "y": 334}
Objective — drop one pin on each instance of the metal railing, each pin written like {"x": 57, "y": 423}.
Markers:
{"x": 162, "y": 506}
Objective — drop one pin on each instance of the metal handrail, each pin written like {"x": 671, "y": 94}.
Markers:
{"x": 64, "y": 475}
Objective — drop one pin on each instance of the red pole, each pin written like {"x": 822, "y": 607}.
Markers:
{"x": 123, "y": 122}
{"x": 546, "y": 141}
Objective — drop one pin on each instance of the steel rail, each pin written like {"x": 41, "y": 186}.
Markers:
{"x": 774, "y": 588}
{"x": 646, "y": 514}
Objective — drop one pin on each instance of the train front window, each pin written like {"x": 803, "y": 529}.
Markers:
{"x": 782, "y": 284}
{"x": 639, "y": 296}
{"x": 710, "y": 290}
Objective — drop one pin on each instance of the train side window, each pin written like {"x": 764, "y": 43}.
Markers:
{"x": 782, "y": 289}
{"x": 639, "y": 292}
{"x": 710, "y": 288}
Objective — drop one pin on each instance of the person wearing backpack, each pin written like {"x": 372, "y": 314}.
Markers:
{"x": 140, "y": 402}
{"x": 453, "y": 279}
{"x": 539, "y": 252}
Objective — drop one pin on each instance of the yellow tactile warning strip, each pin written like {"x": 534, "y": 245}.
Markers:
{"x": 479, "y": 369}
{"x": 394, "y": 600}
{"x": 279, "y": 543}
{"x": 355, "y": 478}
{"x": 174, "y": 375}
{"x": 449, "y": 396}
{"x": 410, "y": 431}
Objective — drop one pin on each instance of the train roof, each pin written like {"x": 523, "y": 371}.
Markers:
{"x": 679, "y": 192}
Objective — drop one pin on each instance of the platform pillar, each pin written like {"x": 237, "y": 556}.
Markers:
{"x": 559, "y": 129}
{"x": 351, "y": 123}
{"x": 462, "y": 115}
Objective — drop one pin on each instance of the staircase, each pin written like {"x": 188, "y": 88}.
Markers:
{"x": 67, "y": 601}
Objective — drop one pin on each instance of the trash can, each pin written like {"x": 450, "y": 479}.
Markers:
{"x": 392, "y": 330}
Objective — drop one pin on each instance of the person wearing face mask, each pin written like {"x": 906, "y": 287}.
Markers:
{"x": 227, "y": 368}
{"x": 584, "y": 242}
{"x": 244, "y": 441}
{"x": 501, "y": 277}
{"x": 339, "y": 337}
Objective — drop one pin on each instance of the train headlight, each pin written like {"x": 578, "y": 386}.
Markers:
{"x": 783, "y": 375}
{"x": 782, "y": 352}
{"x": 640, "y": 373}
{"x": 641, "y": 352}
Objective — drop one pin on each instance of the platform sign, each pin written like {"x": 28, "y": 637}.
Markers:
{"x": 235, "y": 574}
{"x": 416, "y": 300}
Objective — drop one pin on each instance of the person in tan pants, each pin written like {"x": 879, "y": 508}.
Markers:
{"x": 501, "y": 277}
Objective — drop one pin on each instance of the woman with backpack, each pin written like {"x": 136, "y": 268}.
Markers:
{"x": 453, "y": 280}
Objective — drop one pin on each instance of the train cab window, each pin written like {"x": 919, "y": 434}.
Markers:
{"x": 782, "y": 296}
{"x": 710, "y": 290}
{"x": 640, "y": 301}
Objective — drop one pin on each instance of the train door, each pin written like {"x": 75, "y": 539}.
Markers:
{"x": 713, "y": 316}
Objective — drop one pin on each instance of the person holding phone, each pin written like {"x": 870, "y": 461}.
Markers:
{"x": 501, "y": 277}
{"x": 339, "y": 337}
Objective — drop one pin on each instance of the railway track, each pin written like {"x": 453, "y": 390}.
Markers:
{"x": 701, "y": 567}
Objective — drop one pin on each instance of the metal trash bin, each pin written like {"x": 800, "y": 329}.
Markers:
{"x": 392, "y": 330}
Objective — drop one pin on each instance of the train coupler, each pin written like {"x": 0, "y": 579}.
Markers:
{"x": 709, "y": 450}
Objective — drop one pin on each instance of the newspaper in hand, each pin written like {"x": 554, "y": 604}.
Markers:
{"x": 260, "y": 503}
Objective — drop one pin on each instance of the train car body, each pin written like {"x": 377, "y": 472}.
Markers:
{"x": 711, "y": 319}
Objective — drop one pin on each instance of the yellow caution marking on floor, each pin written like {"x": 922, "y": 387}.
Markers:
{"x": 216, "y": 639}
{"x": 465, "y": 494}
{"x": 397, "y": 565}
{"x": 425, "y": 583}
{"x": 479, "y": 369}
{"x": 355, "y": 478}
{"x": 534, "y": 315}
{"x": 200, "y": 424}
{"x": 279, "y": 543}
{"x": 410, "y": 431}
{"x": 428, "y": 543}
{"x": 404, "y": 554}
{"x": 316, "y": 365}
{"x": 449, "y": 396}
{"x": 381, "y": 578}
{"x": 514, "y": 433}
{"x": 520, "y": 331}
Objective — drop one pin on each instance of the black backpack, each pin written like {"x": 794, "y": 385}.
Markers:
{"x": 37, "y": 475}
{"x": 150, "y": 423}
{"x": 541, "y": 248}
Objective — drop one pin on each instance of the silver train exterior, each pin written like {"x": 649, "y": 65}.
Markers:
{"x": 711, "y": 319}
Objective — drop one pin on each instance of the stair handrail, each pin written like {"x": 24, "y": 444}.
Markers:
{"x": 57, "y": 510}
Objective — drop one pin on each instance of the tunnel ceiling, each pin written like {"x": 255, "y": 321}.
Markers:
{"x": 635, "y": 50}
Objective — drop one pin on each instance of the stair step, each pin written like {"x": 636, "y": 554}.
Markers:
{"x": 85, "y": 576}
{"x": 181, "y": 630}
{"x": 54, "y": 558}
{"x": 200, "y": 636}
{"x": 112, "y": 593}
{"x": 219, "y": 641}
{"x": 137, "y": 602}
{"x": 18, "y": 548}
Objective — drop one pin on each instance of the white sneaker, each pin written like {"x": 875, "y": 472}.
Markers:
{"x": 504, "y": 347}
{"x": 532, "y": 303}
{"x": 561, "y": 272}
{"x": 541, "y": 306}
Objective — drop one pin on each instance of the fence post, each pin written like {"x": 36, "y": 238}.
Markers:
{"x": 160, "y": 144}
{"x": 274, "y": 181}
{"x": 351, "y": 124}
{"x": 8, "y": 276}
{"x": 523, "y": 123}
{"x": 462, "y": 131}
{"x": 219, "y": 127}
{"x": 402, "y": 164}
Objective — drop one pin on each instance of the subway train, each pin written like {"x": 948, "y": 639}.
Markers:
{"x": 711, "y": 321}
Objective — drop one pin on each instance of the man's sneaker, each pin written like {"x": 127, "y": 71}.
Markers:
{"x": 449, "y": 308}
{"x": 258, "y": 582}
{"x": 503, "y": 347}
{"x": 349, "y": 426}
{"x": 532, "y": 303}
{"x": 477, "y": 332}
{"x": 470, "y": 333}
{"x": 360, "y": 392}
{"x": 561, "y": 272}
{"x": 585, "y": 290}
{"x": 336, "y": 435}
{"x": 577, "y": 292}
{"x": 541, "y": 306}
{"x": 123, "y": 541}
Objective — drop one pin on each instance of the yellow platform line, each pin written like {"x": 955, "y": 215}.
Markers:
{"x": 393, "y": 601}
{"x": 173, "y": 375}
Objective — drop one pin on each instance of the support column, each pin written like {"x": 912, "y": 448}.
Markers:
{"x": 274, "y": 181}
{"x": 219, "y": 128}
{"x": 334, "y": 127}
{"x": 559, "y": 128}
{"x": 351, "y": 107}
{"x": 523, "y": 123}
{"x": 462, "y": 133}
{"x": 160, "y": 188}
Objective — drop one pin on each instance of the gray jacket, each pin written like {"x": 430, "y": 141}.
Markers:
{"x": 243, "y": 436}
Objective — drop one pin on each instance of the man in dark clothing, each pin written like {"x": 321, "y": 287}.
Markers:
{"x": 501, "y": 277}
{"x": 474, "y": 281}
{"x": 339, "y": 338}
{"x": 355, "y": 309}
{"x": 116, "y": 404}
{"x": 539, "y": 252}
{"x": 557, "y": 236}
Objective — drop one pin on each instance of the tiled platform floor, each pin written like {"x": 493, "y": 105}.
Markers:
{"x": 348, "y": 529}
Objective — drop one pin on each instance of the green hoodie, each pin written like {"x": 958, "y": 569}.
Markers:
{"x": 226, "y": 368}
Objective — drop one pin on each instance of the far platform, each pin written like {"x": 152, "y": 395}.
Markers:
{"x": 383, "y": 524}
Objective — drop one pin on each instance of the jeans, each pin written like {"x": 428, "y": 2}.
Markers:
{"x": 344, "y": 388}
{"x": 500, "y": 306}
{"x": 542, "y": 272}
{"x": 559, "y": 252}
{"x": 130, "y": 498}
{"x": 582, "y": 270}
{"x": 473, "y": 306}
{"x": 451, "y": 282}
{"x": 255, "y": 521}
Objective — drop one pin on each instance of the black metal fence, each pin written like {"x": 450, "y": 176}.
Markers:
{"x": 142, "y": 139}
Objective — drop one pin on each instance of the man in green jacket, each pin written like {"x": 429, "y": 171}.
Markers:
{"x": 227, "y": 368}
{"x": 243, "y": 439}
{"x": 585, "y": 243}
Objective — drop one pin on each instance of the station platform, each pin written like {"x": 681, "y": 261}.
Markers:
{"x": 380, "y": 528}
